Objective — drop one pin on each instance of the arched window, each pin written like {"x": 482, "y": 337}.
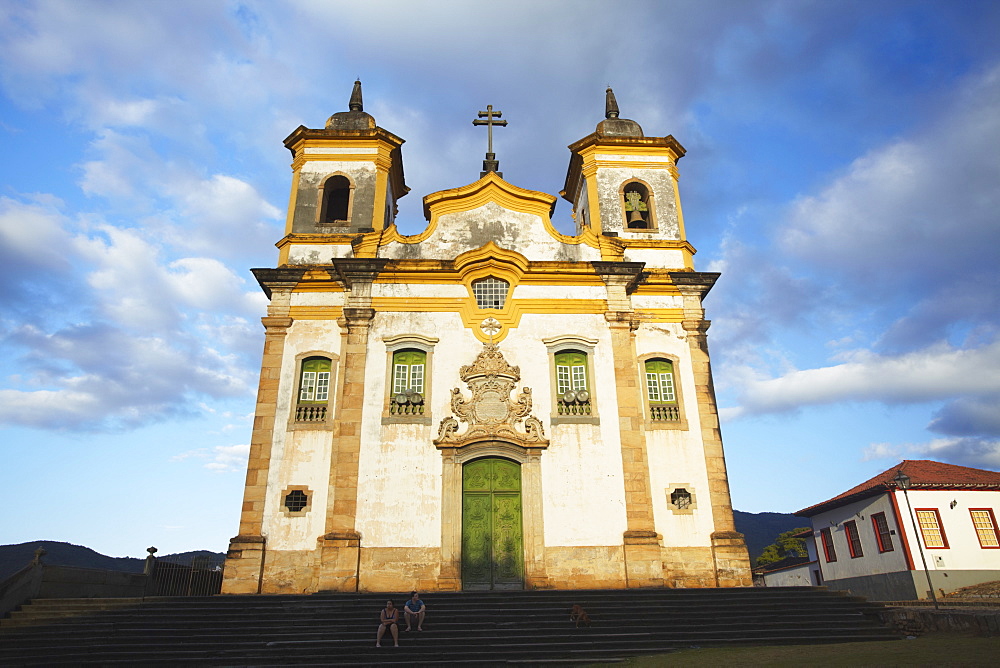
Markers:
{"x": 660, "y": 390}
{"x": 336, "y": 200}
{"x": 637, "y": 210}
{"x": 408, "y": 382}
{"x": 314, "y": 390}
{"x": 491, "y": 292}
{"x": 572, "y": 388}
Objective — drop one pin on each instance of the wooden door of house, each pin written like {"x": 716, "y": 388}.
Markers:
{"x": 492, "y": 538}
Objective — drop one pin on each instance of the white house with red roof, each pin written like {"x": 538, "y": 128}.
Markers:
{"x": 875, "y": 539}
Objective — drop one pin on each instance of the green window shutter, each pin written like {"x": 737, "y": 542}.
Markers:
{"x": 408, "y": 371}
{"x": 314, "y": 381}
{"x": 571, "y": 371}
{"x": 660, "y": 381}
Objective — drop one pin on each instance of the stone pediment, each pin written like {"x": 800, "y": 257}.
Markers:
{"x": 490, "y": 413}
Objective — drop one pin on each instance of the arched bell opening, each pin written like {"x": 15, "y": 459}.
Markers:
{"x": 637, "y": 204}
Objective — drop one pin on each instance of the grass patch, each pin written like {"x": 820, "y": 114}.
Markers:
{"x": 929, "y": 650}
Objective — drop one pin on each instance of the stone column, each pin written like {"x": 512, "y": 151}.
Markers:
{"x": 643, "y": 561}
{"x": 732, "y": 562}
{"x": 340, "y": 545}
{"x": 245, "y": 558}
{"x": 535, "y": 575}
{"x": 450, "y": 575}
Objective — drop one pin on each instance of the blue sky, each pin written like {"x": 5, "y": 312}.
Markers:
{"x": 841, "y": 173}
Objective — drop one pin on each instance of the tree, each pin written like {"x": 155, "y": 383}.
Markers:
{"x": 784, "y": 546}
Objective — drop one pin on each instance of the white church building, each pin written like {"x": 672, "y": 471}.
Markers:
{"x": 490, "y": 403}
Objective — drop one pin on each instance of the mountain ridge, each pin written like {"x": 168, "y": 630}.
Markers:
{"x": 760, "y": 529}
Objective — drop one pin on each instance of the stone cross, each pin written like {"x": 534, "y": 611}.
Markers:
{"x": 490, "y": 164}
{"x": 490, "y": 121}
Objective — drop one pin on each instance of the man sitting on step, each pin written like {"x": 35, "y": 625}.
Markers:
{"x": 414, "y": 608}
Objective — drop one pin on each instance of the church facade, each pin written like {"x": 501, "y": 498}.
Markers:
{"x": 489, "y": 404}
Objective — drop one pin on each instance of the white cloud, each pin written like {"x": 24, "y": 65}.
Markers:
{"x": 229, "y": 458}
{"x": 974, "y": 452}
{"x": 935, "y": 373}
{"x": 126, "y": 112}
{"x": 882, "y": 451}
{"x": 220, "y": 216}
{"x": 220, "y": 459}
{"x": 915, "y": 218}
{"x": 101, "y": 376}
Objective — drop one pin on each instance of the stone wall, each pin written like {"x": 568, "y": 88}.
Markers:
{"x": 916, "y": 621}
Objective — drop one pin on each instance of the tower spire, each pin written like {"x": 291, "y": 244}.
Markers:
{"x": 610, "y": 104}
{"x": 355, "y": 104}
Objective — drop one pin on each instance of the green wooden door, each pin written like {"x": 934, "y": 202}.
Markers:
{"x": 492, "y": 541}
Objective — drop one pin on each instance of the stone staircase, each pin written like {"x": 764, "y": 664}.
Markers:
{"x": 469, "y": 628}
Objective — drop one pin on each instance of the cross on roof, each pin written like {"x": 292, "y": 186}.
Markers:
{"x": 490, "y": 164}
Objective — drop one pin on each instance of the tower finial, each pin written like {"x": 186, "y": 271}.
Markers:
{"x": 355, "y": 103}
{"x": 610, "y": 104}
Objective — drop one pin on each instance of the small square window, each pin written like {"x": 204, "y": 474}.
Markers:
{"x": 490, "y": 292}
{"x": 296, "y": 500}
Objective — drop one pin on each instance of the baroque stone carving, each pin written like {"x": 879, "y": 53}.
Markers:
{"x": 490, "y": 413}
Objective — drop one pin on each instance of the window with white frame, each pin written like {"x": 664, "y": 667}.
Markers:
{"x": 660, "y": 391}
{"x": 985, "y": 523}
{"x": 408, "y": 367}
{"x": 490, "y": 292}
{"x": 572, "y": 387}
{"x": 929, "y": 520}
{"x": 314, "y": 389}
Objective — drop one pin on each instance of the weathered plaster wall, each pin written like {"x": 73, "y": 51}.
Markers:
{"x": 659, "y": 258}
{"x": 640, "y": 302}
{"x": 609, "y": 183}
{"x": 304, "y": 460}
{"x": 305, "y": 328}
{"x": 597, "y": 567}
{"x": 317, "y": 253}
{"x": 311, "y": 177}
{"x": 456, "y": 233}
{"x": 677, "y": 456}
{"x": 300, "y": 456}
{"x": 399, "y": 474}
{"x": 417, "y": 291}
{"x": 559, "y": 292}
{"x": 796, "y": 576}
{"x": 582, "y": 472}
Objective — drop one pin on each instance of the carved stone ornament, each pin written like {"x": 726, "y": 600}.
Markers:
{"x": 490, "y": 413}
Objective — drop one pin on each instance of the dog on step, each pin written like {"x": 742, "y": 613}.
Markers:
{"x": 579, "y": 616}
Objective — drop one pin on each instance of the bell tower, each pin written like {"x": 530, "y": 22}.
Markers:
{"x": 624, "y": 184}
{"x": 346, "y": 177}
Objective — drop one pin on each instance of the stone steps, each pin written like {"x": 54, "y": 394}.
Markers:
{"x": 482, "y": 628}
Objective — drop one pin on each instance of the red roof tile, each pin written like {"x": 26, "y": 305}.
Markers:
{"x": 923, "y": 473}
